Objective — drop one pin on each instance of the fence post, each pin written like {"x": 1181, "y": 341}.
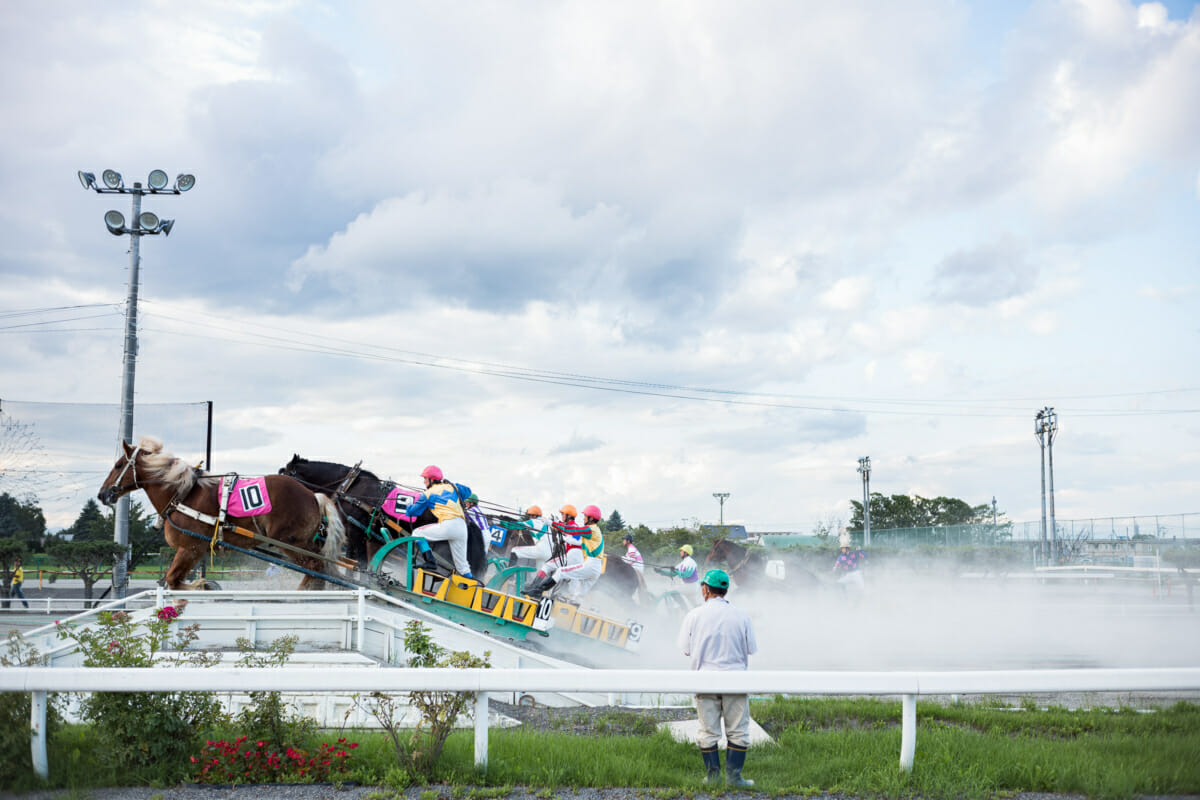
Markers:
{"x": 481, "y": 730}
{"x": 362, "y": 619}
{"x": 37, "y": 735}
{"x": 908, "y": 731}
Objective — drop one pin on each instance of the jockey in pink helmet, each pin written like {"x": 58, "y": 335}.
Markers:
{"x": 444, "y": 499}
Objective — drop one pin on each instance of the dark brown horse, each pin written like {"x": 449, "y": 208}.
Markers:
{"x": 300, "y": 521}
{"x": 748, "y": 568}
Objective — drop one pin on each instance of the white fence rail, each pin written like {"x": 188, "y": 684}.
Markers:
{"x": 908, "y": 685}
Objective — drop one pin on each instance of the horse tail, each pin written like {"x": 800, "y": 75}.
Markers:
{"x": 335, "y": 531}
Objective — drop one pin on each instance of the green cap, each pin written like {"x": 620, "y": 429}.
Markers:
{"x": 474, "y": 498}
{"x": 716, "y": 578}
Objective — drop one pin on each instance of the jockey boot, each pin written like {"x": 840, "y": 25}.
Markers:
{"x": 513, "y": 558}
{"x": 540, "y": 587}
{"x": 428, "y": 562}
{"x": 712, "y": 764}
{"x": 735, "y": 758}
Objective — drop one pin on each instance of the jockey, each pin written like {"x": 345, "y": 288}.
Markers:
{"x": 442, "y": 498}
{"x": 849, "y": 562}
{"x": 686, "y": 569}
{"x": 582, "y": 577}
{"x": 572, "y": 538}
{"x": 540, "y": 550}
{"x": 633, "y": 556}
{"x": 476, "y": 518}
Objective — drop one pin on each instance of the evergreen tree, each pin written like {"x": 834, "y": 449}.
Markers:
{"x": 614, "y": 523}
{"x": 22, "y": 521}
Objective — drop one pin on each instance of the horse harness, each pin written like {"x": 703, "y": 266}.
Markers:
{"x": 221, "y": 525}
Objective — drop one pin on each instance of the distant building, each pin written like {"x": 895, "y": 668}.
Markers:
{"x": 726, "y": 531}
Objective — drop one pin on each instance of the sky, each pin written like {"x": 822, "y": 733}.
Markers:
{"x": 621, "y": 253}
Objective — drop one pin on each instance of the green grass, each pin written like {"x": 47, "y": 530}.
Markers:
{"x": 852, "y": 747}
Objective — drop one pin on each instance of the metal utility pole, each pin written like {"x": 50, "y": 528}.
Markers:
{"x": 721, "y": 496}
{"x": 1045, "y": 426}
{"x": 864, "y": 467}
{"x": 143, "y": 224}
{"x": 1051, "y": 431}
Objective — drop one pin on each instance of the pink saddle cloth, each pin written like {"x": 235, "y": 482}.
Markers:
{"x": 397, "y": 503}
{"x": 248, "y": 498}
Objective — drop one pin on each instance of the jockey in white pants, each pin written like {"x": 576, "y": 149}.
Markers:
{"x": 542, "y": 548}
{"x": 442, "y": 497}
{"x": 572, "y": 537}
{"x": 580, "y": 574}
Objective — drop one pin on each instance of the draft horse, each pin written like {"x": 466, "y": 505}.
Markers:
{"x": 299, "y": 520}
{"x": 748, "y": 567}
{"x": 360, "y": 495}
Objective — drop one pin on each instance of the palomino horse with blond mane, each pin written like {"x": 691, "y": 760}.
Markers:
{"x": 196, "y": 506}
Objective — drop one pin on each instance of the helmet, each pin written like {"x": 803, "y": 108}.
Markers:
{"x": 593, "y": 512}
{"x": 473, "y": 498}
{"x": 533, "y": 511}
{"x": 432, "y": 472}
{"x": 716, "y": 578}
{"x": 569, "y": 511}
{"x": 627, "y": 537}
{"x": 687, "y": 548}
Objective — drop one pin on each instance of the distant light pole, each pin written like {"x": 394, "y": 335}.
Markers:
{"x": 144, "y": 223}
{"x": 1045, "y": 427}
{"x": 864, "y": 467}
{"x": 721, "y": 496}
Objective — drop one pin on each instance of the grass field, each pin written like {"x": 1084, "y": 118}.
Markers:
{"x": 849, "y": 746}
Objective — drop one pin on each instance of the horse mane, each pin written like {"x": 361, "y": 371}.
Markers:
{"x": 299, "y": 460}
{"x": 160, "y": 465}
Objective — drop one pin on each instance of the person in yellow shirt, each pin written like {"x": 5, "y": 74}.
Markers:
{"x": 17, "y": 580}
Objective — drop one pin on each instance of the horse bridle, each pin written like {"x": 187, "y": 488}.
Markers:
{"x": 116, "y": 489}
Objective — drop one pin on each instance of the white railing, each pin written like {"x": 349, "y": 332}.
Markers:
{"x": 908, "y": 685}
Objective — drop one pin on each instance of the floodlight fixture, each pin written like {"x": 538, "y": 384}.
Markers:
{"x": 165, "y": 227}
{"x": 148, "y": 221}
{"x": 88, "y": 179}
{"x": 157, "y": 179}
{"x": 112, "y": 179}
{"x": 115, "y": 221}
{"x": 183, "y": 182}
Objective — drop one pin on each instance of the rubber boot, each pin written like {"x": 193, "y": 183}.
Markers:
{"x": 735, "y": 758}
{"x": 544, "y": 585}
{"x": 712, "y": 764}
{"x": 429, "y": 563}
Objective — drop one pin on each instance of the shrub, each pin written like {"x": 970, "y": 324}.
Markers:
{"x": 151, "y": 733}
{"x": 439, "y": 710}
{"x": 16, "y": 763}
{"x": 262, "y": 762}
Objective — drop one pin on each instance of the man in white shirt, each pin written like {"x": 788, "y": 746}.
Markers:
{"x": 719, "y": 636}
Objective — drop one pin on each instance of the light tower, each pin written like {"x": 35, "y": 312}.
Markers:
{"x": 142, "y": 223}
{"x": 721, "y": 496}
{"x": 864, "y": 467}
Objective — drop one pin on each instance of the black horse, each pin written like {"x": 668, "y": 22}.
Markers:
{"x": 360, "y": 495}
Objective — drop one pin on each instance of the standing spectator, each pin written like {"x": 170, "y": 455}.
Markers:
{"x": 719, "y": 636}
{"x": 18, "y": 579}
{"x": 633, "y": 556}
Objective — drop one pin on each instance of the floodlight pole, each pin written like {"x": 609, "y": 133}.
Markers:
{"x": 721, "y": 496}
{"x": 128, "y": 369}
{"x": 113, "y": 184}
